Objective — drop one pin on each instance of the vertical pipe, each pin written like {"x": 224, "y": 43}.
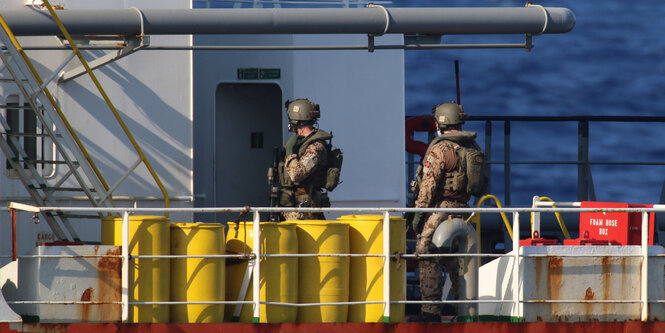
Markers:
{"x": 645, "y": 266}
{"x": 516, "y": 266}
{"x": 469, "y": 243}
{"x": 446, "y": 235}
{"x": 583, "y": 158}
{"x": 13, "y": 212}
{"x": 125, "y": 266}
{"x": 386, "y": 267}
{"x": 506, "y": 154}
{"x": 256, "y": 285}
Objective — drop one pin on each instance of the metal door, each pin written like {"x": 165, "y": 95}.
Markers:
{"x": 248, "y": 124}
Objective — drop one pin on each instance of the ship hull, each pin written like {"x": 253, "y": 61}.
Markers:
{"x": 497, "y": 327}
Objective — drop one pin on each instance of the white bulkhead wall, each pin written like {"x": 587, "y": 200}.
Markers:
{"x": 361, "y": 95}
{"x": 362, "y": 102}
{"x": 152, "y": 90}
{"x": 159, "y": 93}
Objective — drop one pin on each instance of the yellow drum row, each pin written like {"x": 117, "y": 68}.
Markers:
{"x": 179, "y": 279}
{"x": 304, "y": 280}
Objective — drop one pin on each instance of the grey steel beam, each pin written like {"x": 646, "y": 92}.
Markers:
{"x": 504, "y": 20}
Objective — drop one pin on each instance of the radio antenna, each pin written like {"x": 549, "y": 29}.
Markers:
{"x": 459, "y": 100}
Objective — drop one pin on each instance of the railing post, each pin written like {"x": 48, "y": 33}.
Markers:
{"x": 583, "y": 158}
{"x": 386, "y": 267}
{"x": 645, "y": 266}
{"x": 256, "y": 285}
{"x": 125, "y": 266}
{"x": 506, "y": 166}
{"x": 517, "y": 311}
{"x": 488, "y": 152}
{"x": 14, "y": 245}
{"x": 535, "y": 218}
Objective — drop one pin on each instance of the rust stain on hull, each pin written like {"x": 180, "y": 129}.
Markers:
{"x": 111, "y": 263}
{"x": 85, "y": 308}
{"x": 106, "y": 290}
{"x": 588, "y": 296}
{"x": 110, "y": 284}
{"x": 606, "y": 280}
{"x": 554, "y": 281}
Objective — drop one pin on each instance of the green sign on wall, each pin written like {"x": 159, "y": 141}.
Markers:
{"x": 259, "y": 74}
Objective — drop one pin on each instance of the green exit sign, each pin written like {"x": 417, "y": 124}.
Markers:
{"x": 259, "y": 74}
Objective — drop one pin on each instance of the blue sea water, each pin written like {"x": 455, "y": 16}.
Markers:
{"x": 611, "y": 63}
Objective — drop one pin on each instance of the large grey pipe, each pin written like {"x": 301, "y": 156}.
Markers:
{"x": 519, "y": 20}
{"x": 456, "y": 231}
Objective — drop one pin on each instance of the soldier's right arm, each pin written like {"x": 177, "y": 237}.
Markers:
{"x": 315, "y": 155}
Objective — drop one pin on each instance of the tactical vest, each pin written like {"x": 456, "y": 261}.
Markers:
{"x": 313, "y": 184}
{"x": 469, "y": 175}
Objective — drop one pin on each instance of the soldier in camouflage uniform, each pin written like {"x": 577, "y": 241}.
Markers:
{"x": 435, "y": 176}
{"x": 303, "y": 166}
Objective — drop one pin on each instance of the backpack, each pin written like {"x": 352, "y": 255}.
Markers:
{"x": 472, "y": 165}
{"x": 331, "y": 177}
{"x": 471, "y": 175}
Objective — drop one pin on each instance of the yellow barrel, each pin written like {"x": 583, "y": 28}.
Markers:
{"x": 323, "y": 279}
{"x": 197, "y": 279}
{"x": 366, "y": 237}
{"x": 279, "y": 275}
{"x": 148, "y": 277}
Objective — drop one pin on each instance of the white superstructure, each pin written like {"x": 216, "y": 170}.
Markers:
{"x": 196, "y": 120}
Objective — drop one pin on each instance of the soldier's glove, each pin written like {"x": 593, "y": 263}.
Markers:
{"x": 288, "y": 147}
{"x": 417, "y": 217}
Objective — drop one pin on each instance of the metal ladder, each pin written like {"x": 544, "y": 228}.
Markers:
{"x": 72, "y": 155}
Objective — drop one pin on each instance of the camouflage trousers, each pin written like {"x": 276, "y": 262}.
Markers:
{"x": 299, "y": 198}
{"x": 431, "y": 270}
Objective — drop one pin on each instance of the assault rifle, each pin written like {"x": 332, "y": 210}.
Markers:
{"x": 273, "y": 179}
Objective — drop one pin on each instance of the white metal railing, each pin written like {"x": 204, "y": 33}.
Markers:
{"x": 517, "y": 300}
{"x": 278, "y": 3}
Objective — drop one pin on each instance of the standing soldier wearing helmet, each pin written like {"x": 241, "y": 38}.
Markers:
{"x": 450, "y": 172}
{"x": 303, "y": 167}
